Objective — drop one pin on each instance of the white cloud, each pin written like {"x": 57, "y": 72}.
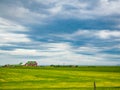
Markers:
{"x": 63, "y": 53}
{"x": 57, "y": 46}
{"x": 6, "y": 25}
{"x": 8, "y": 32}
{"x": 13, "y": 38}
{"x": 88, "y": 49}
{"x": 106, "y": 34}
{"x": 107, "y": 7}
{"x": 100, "y": 34}
{"x": 81, "y": 10}
{"x": 24, "y": 52}
{"x": 50, "y": 49}
{"x": 21, "y": 14}
{"x": 52, "y": 9}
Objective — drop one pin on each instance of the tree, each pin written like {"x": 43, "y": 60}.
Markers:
{"x": 20, "y": 63}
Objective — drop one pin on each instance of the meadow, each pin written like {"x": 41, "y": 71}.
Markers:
{"x": 60, "y": 78}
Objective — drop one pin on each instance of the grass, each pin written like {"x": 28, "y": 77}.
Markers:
{"x": 60, "y": 78}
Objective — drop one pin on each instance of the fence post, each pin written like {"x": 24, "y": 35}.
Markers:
{"x": 94, "y": 85}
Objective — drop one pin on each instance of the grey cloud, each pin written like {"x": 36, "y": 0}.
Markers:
{"x": 38, "y": 11}
{"x": 59, "y": 53}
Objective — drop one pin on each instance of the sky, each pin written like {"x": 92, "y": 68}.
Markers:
{"x": 60, "y": 32}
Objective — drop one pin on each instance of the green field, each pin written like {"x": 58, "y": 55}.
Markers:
{"x": 60, "y": 78}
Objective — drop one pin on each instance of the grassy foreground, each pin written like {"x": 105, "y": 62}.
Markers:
{"x": 60, "y": 78}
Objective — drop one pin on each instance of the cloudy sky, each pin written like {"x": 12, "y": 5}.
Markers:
{"x": 78, "y": 32}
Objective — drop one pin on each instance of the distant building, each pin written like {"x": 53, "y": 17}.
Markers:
{"x": 31, "y": 63}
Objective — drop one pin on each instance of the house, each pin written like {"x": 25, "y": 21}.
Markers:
{"x": 31, "y": 63}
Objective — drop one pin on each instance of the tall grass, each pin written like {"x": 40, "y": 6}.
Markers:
{"x": 60, "y": 78}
